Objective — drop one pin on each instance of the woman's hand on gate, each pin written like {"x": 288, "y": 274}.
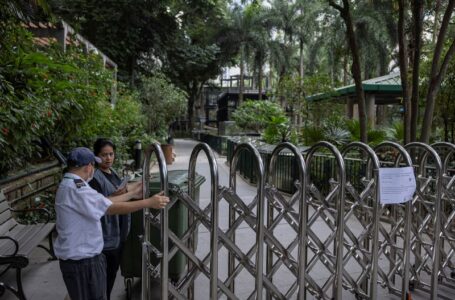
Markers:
{"x": 158, "y": 201}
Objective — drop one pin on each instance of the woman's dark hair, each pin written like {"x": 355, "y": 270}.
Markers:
{"x": 100, "y": 144}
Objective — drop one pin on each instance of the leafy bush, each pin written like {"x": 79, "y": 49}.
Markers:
{"x": 340, "y": 131}
{"x": 312, "y": 134}
{"x": 64, "y": 97}
{"x": 277, "y": 130}
{"x": 257, "y": 115}
{"x": 163, "y": 103}
{"x": 374, "y": 136}
{"x": 395, "y": 132}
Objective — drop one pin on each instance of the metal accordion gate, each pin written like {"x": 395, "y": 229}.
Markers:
{"x": 342, "y": 242}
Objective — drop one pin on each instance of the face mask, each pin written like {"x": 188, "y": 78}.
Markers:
{"x": 91, "y": 174}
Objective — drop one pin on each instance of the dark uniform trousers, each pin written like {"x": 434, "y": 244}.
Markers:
{"x": 85, "y": 279}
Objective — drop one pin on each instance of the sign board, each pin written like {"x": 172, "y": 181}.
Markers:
{"x": 396, "y": 185}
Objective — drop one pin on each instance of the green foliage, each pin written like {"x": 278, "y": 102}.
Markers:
{"x": 332, "y": 130}
{"x": 445, "y": 106}
{"x": 375, "y": 136}
{"x": 312, "y": 134}
{"x": 340, "y": 131}
{"x": 124, "y": 30}
{"x": 163, "y": 103}
{"x": 395, "y": 132}
{"x": 62, "y": 96}
{"x": 277, "y": 130}
{"x": 257, "y": 115}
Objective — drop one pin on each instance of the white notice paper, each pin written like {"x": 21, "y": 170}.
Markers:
{"x": 396, "y": 185}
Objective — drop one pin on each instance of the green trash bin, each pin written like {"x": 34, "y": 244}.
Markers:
{"x": 131, "y": 264}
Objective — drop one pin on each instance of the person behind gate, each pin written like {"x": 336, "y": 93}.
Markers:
{"x": 115, "y": 227}
{"x": 79, "y": 209}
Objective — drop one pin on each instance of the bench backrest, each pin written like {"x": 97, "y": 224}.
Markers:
{"x": 6, "y": 218}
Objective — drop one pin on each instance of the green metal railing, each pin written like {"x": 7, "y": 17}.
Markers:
{"x": 322, "y": 168}
{"x": 217, "y": 143}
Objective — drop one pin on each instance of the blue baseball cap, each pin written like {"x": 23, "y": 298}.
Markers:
{"x": 81, "y": 156}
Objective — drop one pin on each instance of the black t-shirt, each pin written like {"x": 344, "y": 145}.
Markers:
{"x": 112, "y": 177}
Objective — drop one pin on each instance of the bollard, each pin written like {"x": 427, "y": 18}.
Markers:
{"x": 137, "y": 154}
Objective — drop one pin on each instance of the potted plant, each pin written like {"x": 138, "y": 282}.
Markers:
{"x": 163, "y": 104}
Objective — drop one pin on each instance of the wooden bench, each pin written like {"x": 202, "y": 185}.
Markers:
{"x": 17, "y": 241}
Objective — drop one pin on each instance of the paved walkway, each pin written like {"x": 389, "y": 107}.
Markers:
{"x": 42, "y": 279}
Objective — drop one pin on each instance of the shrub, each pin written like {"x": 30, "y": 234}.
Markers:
{"x": 163, "y": 103}
{"x": 257, "y": 115}
{"x": 64, "y": 97}
{"x": 277, "y": 130}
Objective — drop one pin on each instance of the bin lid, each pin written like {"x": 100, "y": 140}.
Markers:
{"x": 178, "y": 178}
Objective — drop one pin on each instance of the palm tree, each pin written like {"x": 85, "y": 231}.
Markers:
{"x": 376, "y": 35}
{"x": 260, "y": 45}
{"x": 283, "y": 19}
{"x": 241, "y": 32}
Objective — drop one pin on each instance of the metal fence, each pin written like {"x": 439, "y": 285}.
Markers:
{"x": 217, "y": 143}
{"x": 336, "y": 224}
{"x": 322, "y": 168}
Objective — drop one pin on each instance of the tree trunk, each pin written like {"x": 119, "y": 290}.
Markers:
{"x": 242, "y": 71}
{"x": 437, "y": 9}
{"x": 417, "y": 12}
{"x": 191, "y": 98}
{"x": 270, "y": 75}
{"x": 301, "y": 74}
{"x": 193, "y": 92}
{"x": 438, "y": 71}
{"x": 452, "y": 134}
{"x": 403, "y": 62}
{"x": 301, "y": 70}
{"x": 260, "y": 77}
{"x": 280, "y": 84}
{"x": 356, "y": 72}
{"x": 345, "y": 71}
{"x": 132, "y": 71}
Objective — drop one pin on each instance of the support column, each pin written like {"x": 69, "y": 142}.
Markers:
{"x": 355, "y": 111}
{"x": 349, "y": 108}
{"x": 371, "y": 109}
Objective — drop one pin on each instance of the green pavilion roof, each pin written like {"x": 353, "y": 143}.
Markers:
{"x": 388, "y": 85}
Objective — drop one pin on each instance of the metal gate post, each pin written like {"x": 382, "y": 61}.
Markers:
{"x": 447, "y": 153}
{"x": 302, "y": 179}
{"x": 401, "y": 154}
{"x": 429, "y": 151}
{"x": 155, "y": 148}
{"x": 372, "y": 171}
{"x": 214, "y": 209}
{"x": 339, "y": 205}
{"x": 259, "y": 217}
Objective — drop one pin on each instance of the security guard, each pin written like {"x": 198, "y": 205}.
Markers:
{"x": 79, "y": 209}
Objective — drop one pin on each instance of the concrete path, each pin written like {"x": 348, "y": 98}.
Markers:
{"x": 43, "y": 280}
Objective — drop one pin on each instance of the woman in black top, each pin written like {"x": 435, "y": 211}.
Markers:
{"x": 115, "y": 227}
